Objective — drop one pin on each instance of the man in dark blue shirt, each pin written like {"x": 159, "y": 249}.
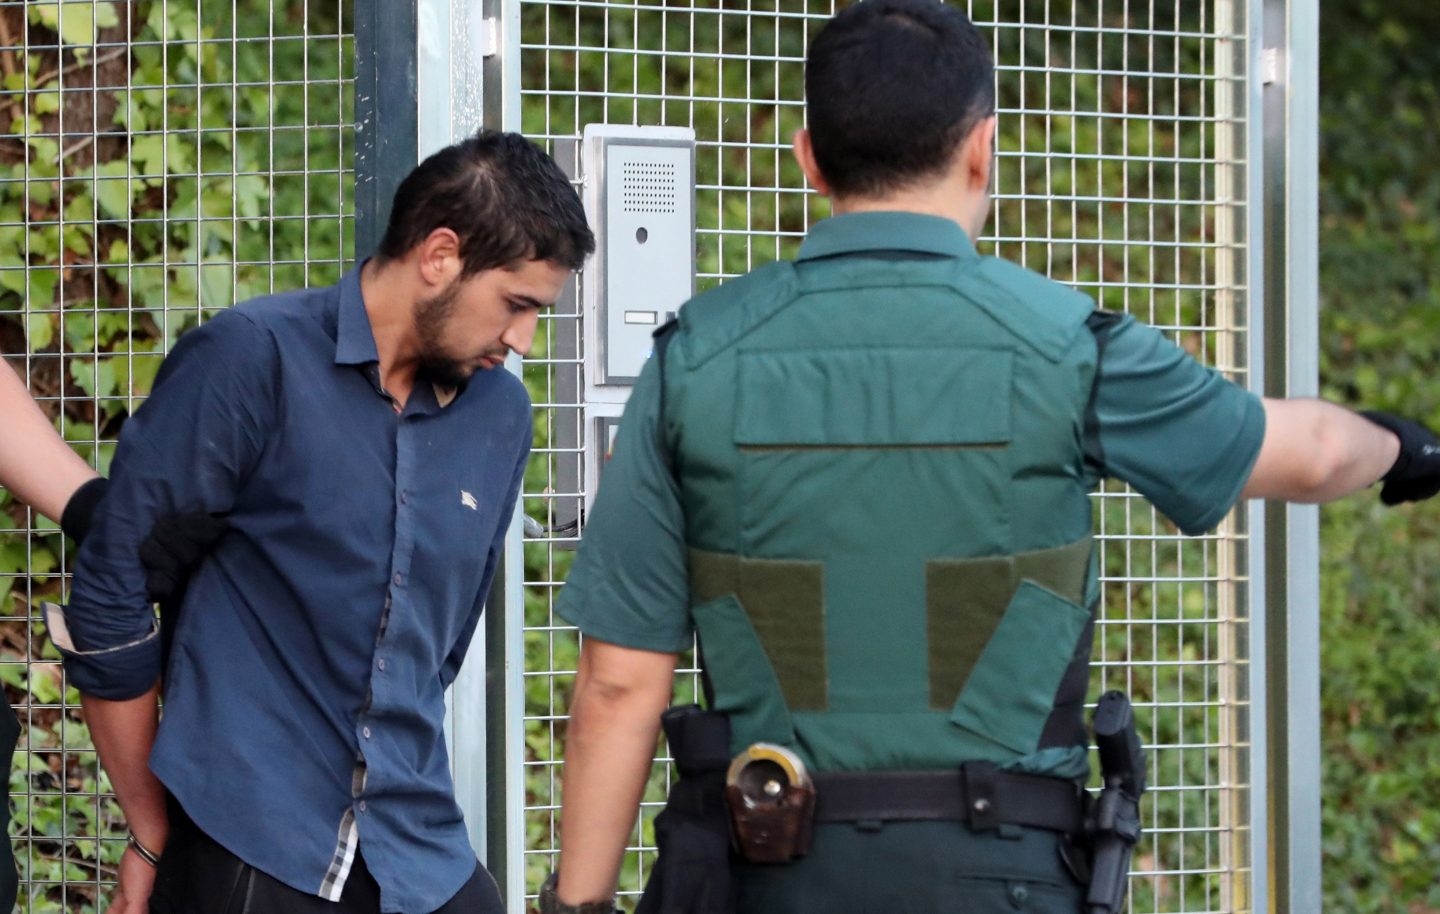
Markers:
{"x": 367, "y": 455}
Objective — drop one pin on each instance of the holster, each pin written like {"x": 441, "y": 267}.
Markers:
{"x": 692, "y": 873}
{"x": 1115, "y": 820}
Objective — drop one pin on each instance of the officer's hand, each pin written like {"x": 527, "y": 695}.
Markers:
{"x": 176, "y": 545}
{"x": 79, "y": 511}
{"x": 1415, "y": 475}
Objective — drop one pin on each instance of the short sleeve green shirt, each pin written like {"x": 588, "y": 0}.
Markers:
{"x": 1178, "y": 432}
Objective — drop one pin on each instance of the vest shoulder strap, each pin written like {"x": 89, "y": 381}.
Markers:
{"x": 1045, "y": 314}
{"x": 663, "y": 337}
{"x": 714, "y": 320}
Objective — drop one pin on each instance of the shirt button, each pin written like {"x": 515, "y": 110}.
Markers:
{"x": 362, "y": 805}
{"x": 398, "y": 579}
{"x": 381, "y": 663}
{"x": 404, "y": 498}
{"x": 366, "y": 732}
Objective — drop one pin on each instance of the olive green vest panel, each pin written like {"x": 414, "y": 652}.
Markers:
{"x": 882, "y": 479}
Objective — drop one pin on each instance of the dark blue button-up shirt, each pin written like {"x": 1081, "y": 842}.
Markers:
{"x": 305, "y": 693}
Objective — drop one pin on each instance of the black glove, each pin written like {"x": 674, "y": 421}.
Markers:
{"x": 79, "y": 511}
{"x": 176, "y": 543}
{"x": 1415, "y": 475}
{"x": 174, "y": 548}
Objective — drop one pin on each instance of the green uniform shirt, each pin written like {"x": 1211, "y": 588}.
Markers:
{"x": 1178, "y": 432}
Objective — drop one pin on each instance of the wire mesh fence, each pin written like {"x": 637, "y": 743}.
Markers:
{"x": 1120, "y": 126}
{"x": 158, "y": 160}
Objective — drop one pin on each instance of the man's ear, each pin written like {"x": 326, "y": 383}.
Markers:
{"x": 438, "y": 257}
{"x": 805, "y": 155}
{"x": 978, "y": 155}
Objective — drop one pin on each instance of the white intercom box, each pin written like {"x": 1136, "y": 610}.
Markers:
{"x": 638, "y": 185}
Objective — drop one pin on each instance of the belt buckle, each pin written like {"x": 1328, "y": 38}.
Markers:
{"x": 978, "y": 779}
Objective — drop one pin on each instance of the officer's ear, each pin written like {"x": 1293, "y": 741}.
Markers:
{"x": 977, "y": 155}
{"x": 805, "y": 155}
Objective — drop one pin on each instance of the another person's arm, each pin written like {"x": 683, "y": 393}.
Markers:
{"x": 628, "y": 592}
{"x": 610, "y": 745}
{"x": 1194, "y": 444}
{"x": 1314, "y": 451}
{"x": 37, "y": 466}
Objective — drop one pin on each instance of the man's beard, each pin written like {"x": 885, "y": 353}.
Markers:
{"x": 431, "y": 317}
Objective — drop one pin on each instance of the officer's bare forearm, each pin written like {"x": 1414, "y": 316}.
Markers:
{"x": 124, "y": 732}
{"x": 35, "y": 463}
{"x": 610, "y": 745}
{"x": 1316, "y": 452}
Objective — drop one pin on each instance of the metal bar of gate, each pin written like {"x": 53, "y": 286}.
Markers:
{"x": 386, "y": 110}
{"x": 497, "y": 44}
{"x": 1289, "y": 287}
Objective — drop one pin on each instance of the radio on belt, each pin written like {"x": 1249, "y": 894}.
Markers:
{"x": 638, "y": 184}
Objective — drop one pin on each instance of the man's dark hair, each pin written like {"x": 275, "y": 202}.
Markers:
{"x": 506, "y": 199}
{"x": 892, "y": 87}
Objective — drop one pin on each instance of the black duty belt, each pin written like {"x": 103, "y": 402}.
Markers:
{"x": 975, "y": 793}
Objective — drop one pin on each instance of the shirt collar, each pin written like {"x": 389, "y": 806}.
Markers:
{"x": 355, "y": 339}
{"x": 856, "y": 233}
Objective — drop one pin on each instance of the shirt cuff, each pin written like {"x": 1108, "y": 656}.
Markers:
{"x": 114, "y": 673}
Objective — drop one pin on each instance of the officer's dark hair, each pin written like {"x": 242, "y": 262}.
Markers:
{"x": 892, "y": 87}
{"x": 502, "y": 195}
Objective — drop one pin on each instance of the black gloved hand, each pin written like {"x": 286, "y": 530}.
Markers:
{"x": 174, "y": 548}
{"x": 79, "y": 512}
{"x": 1415, "y": 475}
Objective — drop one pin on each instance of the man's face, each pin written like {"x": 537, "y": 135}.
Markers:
{"x": 475, "y": 323}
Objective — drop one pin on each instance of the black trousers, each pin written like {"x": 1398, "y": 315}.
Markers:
{"x": 198, "y": 876}
{"x": 9, "y": 878}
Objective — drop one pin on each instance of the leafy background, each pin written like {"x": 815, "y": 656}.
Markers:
{"x": 158, "y": 160}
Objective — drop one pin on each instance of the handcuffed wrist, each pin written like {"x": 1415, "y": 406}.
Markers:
{"x": 143, "y": 852}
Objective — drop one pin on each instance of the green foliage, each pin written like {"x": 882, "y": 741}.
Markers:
{"x": 1380, "y": 340}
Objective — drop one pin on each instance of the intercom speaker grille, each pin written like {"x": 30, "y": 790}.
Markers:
{"x": 648, "y": 187}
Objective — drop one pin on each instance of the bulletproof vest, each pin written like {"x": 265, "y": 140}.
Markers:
{"x": 880, "y": 464}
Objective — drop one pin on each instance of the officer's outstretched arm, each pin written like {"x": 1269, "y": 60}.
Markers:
{"x": 35, "y": 463}
{"x": 1314, "y": 451}
{"x": 610, "y": 745}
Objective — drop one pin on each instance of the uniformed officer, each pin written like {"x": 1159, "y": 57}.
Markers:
{"x": 862, "y": 479}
